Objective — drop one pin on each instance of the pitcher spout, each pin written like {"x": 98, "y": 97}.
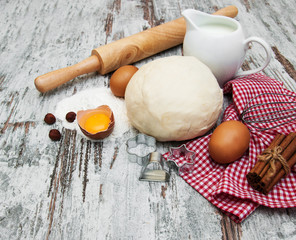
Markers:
{"x": 194, "y": 18}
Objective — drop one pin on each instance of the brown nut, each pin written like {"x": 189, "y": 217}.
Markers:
{"x": 71, "y": 116}
{"x": 54, "y": 135}
{"x": 49, "y": 118}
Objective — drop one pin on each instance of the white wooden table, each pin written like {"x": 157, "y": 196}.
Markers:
{"x": 78, "y": 189}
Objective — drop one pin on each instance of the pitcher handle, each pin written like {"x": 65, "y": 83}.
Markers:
{"x": 267, "y": 49}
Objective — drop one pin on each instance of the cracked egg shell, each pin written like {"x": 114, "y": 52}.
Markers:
{"x": 96, "y": 123}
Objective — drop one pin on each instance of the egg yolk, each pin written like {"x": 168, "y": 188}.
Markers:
{"x": 97, "y": 123}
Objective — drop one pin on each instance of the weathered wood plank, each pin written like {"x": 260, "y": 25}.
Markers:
{"x": 78, "y": 189}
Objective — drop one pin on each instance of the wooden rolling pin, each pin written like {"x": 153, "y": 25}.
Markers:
{"x": 107, "y": 58}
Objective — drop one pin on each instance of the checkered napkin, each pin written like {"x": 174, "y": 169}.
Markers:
{"x": 226, "y": 186}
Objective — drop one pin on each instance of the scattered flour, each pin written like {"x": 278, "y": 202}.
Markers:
{"x": 92, "y": 98}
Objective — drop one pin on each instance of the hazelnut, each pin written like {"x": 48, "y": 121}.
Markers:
{"x": 54, "y": 135}
{"x": 70, "y": 116}
{"x": 49, "y": 118}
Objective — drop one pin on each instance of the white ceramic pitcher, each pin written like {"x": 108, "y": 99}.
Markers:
{"x": 219, "y": 42}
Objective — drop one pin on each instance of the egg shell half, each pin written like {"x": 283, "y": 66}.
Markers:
{"x": 83, "y": 115}
{"x": 229, "y": 142}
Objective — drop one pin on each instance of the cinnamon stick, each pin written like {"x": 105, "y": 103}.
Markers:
{"x": 287, "y": 153}
{"x": 291, "y": 163}
{"x": 261, "y": 167}
{"x": 281, "y": 156}
{"x": 283, "y": 144}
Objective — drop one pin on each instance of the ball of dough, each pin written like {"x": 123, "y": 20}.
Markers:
{"x": 173, "y": 98}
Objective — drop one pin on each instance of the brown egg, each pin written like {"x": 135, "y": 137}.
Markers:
{"x": 229, "y": 142}
{"x": 96, "y": 123}
{"x": 120, "y": 78}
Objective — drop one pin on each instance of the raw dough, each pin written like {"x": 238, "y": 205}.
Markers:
{"x": 174, "y": 98}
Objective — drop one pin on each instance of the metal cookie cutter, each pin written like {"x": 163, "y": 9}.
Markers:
{"x": 182, "y": 158}
{"x": 152, "y": 161}
{"x": 142, "y": 144}
{"x": 154, "y": 169}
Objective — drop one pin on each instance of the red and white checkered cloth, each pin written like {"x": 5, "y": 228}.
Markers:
{"x": 226, "y": 186}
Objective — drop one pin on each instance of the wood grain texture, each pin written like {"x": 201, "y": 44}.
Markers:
{"x": 127, "y": 50}
{"x": 79, "y": 189}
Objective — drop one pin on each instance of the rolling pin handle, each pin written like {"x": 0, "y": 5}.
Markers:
{"x": 58, "y": 77}
{"x": 230, "y": 11}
